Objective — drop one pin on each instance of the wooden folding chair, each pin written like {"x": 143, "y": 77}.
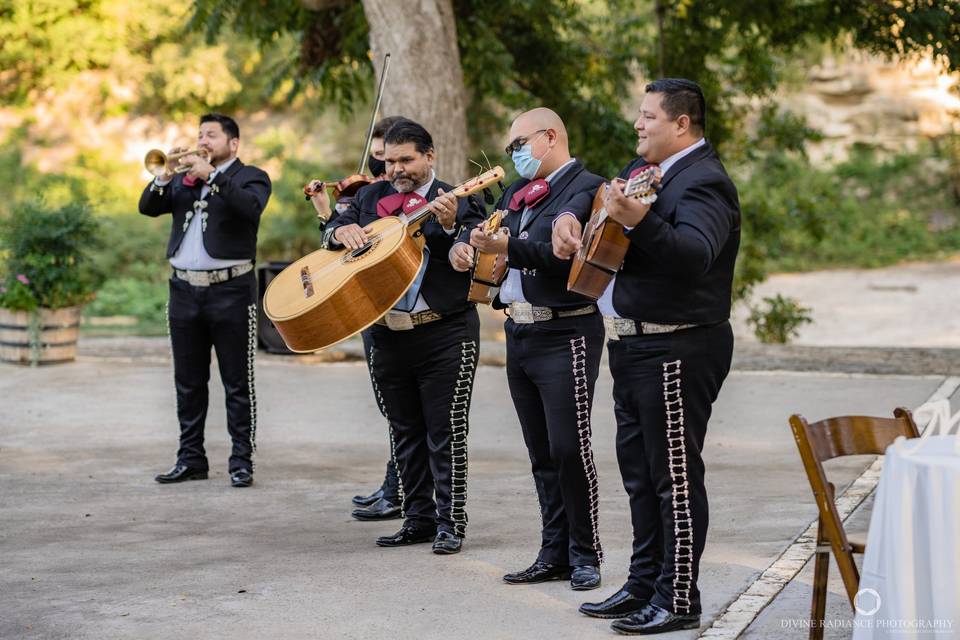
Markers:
{"x": 822, "y": 441}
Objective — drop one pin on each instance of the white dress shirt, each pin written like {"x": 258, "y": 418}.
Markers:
{"x": 191, "y": 254}
{"x": 605, "y": 303}
{"x": 421, "y": 304}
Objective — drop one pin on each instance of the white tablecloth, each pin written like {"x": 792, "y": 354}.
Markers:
{"x": 911, "y": 571}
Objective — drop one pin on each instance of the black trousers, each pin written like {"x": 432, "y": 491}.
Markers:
{"x": 391, "y": 480}
{"x": 424, "y": 377}
{"x": 664, "y": 386}
{"x": 552, "y": 368}
{"x": 222, "y": 316}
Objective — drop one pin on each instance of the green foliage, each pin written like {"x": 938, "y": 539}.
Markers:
{"x": 780, "y": 321}
{"x": 39, "y": 41}
{"x": 590, "y": 52}
{"x": 865, "y": 212}
{"x": 16, "y": 293}
{"x": 50, "y": 247}
{"x": 738, "y": 49}
{"x": 330, "y": 47}
{"x": 127, "y": 296}
{"x": 290, "y": 230}
{"x": 132, "y": 58}
{"x": 580, "y": 57}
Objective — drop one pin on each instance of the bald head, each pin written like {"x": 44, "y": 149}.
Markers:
{"x": 544, "y": 130}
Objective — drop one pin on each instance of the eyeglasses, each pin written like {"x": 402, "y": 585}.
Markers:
{"x": 519, "y": 141}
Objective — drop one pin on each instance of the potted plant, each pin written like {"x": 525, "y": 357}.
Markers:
{"x": 45, "y": 279}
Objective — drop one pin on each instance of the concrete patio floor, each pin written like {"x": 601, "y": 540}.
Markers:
{"x": 92, "y": 547}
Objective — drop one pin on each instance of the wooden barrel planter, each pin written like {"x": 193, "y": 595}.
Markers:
{"x": 51, "y": 339}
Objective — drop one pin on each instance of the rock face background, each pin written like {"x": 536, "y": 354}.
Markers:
{"x": 859, "y": 98}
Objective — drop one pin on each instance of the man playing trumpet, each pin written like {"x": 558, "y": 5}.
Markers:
{"x": 216, "y": 202}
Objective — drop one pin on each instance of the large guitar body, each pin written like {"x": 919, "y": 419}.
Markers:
{"x": 327, "y": 296}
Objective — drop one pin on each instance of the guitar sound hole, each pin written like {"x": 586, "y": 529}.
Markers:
{"x": 356, "y": 254}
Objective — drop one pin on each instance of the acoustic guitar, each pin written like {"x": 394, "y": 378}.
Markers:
{"x": 604, "y": 244}
{"x": 489, "y": 269}
{"x": 329, "y": 295}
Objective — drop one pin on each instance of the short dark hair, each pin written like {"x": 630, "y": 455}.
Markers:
{"x": 381, "y": 128}
{"x": 228, "y": 124}
{"x": 682, "y": 97}
{"x": 405, "y": 130}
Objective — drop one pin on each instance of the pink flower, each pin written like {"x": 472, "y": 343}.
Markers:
{"x": 22, "y": 278}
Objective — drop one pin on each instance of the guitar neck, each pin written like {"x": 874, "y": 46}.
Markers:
{"x": 416, "y": 218}
{"x": 640, "y": 186}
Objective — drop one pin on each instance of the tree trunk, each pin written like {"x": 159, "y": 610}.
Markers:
{"x": 426, "y": 81}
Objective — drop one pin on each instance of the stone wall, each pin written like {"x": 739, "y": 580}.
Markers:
{"x": 859, "y": 98}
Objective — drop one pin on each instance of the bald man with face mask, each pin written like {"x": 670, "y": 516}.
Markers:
{"x": 554, "y": 342}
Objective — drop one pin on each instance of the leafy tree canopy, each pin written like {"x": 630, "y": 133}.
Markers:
{"x": 582, "y": 57}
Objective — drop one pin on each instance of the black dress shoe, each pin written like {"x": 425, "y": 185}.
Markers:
{"x": 539, "y": 571}
{"x": 407, "y": 535}
{"x": 619, "y": 605}
{"x": 382, "y": 509}
{"x": 241, "y": 478}
{"x": 446, "y": 543}
{"x": 653, "y": 619}
{"x": 585, "y": 577}
{"x": 366, "y": 501}
{"x": 179, "y": 473}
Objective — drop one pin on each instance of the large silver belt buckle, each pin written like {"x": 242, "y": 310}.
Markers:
{"x": 521, "y": 312}
{"x": 398, "y": 320}
{"x": 198, "y": 278}
{"x": 610, "y": 325}
{"x": 653, "y": 327}
{"x": 618, "y": 327}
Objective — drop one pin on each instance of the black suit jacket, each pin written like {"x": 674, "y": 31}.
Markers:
{"x": 679, "y": 267}
{"x": 236, "y": 200}
{"x": 444, "y": 289}
{"x": 543, "y": 276}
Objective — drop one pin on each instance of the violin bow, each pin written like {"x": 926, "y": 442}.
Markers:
{"x": 373, "y": 116}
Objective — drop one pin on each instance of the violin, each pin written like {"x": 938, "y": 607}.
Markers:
{"x": 348, "y": 187}
{"x": 345, "y": 188}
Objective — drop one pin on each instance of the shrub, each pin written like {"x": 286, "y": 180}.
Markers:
{"x": 779, "y": 321}
{"x": 46, "y": 251}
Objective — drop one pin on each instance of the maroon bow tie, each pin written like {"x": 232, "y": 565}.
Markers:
{"x": 529, "y": 195}
{"x": 190, "y": 181}
{"x": 399, "y": 203}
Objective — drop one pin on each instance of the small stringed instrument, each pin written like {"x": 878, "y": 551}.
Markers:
{"x": 489, "y": 269}
{"x": 329, "y": 295}
{"x": 604, "y": 243}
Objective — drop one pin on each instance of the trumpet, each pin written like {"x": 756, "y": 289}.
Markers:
{"x": 158, "y": 163}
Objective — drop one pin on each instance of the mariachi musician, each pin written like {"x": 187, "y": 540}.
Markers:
{"x": 216, "y": 201}
{"x": 666, "y": 314}
{"x": 554, "y": 343}
{"x": 423, "y": 353}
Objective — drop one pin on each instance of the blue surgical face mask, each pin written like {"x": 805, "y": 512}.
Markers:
{"x": 527, "y": 166}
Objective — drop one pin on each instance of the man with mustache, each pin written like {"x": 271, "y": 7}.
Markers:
{"x": 423, "y": 353}
{"x": 670, "y": 344}
{"x": 216, "y": 207}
